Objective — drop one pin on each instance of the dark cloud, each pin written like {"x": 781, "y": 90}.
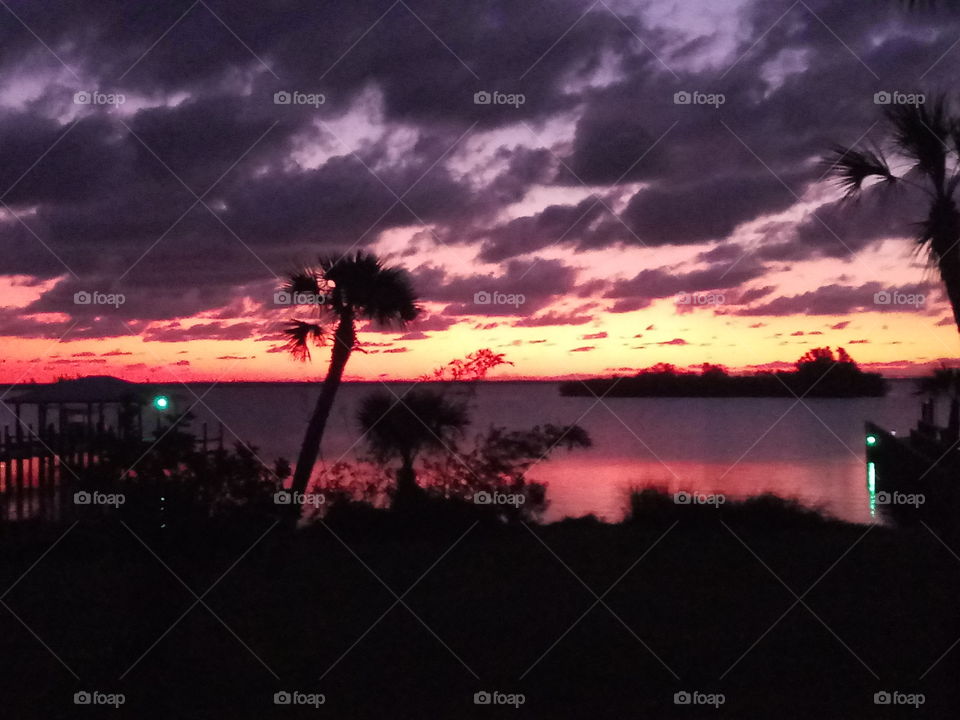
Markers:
{"x": 105, "y": 198}
{"x": 201, "y": 331}
{"x": 554, "y": 318}
{"x": 531, "y": 233}
{"x": 522, "y": 287}
{"x": 842, "y": 299}
{"x": 647, "y": 285}
{"x": 754, "y": 294}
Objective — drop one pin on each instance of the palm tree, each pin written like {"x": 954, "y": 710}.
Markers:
{"x": 422, "y": 420}
{"x": 927, "y": 138}
{"x": 945, "y": 381}
{"x": 343, "y": 290}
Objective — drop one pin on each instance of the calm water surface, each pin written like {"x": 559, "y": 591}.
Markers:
{"x": 811, "y": 451}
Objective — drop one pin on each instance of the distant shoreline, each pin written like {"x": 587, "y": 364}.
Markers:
{"x": 531, "y": 381}
{"x": 851, "y": 384}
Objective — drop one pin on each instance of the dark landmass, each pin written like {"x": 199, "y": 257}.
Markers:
{"x": 706, "y": 594}
{"x": 818, "y": 374}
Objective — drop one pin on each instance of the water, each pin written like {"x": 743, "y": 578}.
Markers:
{"x": 811, "y": 451}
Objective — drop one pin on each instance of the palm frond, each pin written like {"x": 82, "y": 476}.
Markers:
{"x": 391, "y": 299}
{"x": 852, "y": 167}
{"x": 363, "y": 284}
{"x": 300, "y": 335}
{"x": 420, "y": 420}
{"x": 920, "y": 133}
{"x": 303, "y": 280}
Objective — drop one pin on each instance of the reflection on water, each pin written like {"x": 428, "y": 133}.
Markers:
{"x": 810, "y": 450}
{"x": 872, "y": 487}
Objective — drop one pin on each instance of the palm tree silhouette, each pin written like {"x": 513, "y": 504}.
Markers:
{"x": 927, "y": 138}
{"x": 343, "y": 290}
{"x": 944, "y": 382}
{"x": 422, "y": 420}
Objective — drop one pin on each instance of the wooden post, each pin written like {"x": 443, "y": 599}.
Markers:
{"x": 33, "y": 449}
{"x": 42, "y": 489}
{"x": 8, "y": 470}
{"x": 18, "y": 467}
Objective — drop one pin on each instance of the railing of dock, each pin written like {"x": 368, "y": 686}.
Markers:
{"x": 41, "y": 468}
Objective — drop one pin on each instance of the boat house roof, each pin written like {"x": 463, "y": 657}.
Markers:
{"x": 94, "y": 389}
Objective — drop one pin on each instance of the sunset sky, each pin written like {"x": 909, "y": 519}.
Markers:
{"x": 147, "y": 151}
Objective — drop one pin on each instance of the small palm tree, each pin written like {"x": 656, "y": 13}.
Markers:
{"x": 422, "y": 420}
{"x": 927, "y": 138}
{"x": 343, "y": 290}
{"x": 944, "y": 382}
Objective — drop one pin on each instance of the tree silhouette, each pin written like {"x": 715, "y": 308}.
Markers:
{"x": 402, "y": 428}
{"x": 944, "y": 382}
{"x": 341, "y": 290}
{"x": 927, "y": 138}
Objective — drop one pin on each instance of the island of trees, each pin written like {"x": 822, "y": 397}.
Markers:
{"x": 819, "y": 373}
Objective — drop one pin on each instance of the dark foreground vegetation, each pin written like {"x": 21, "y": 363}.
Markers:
{"x": 461, "y": 601}
{"x": 819, "y": 373}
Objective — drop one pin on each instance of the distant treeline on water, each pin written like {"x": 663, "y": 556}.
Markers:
{"x": 819, "y": 373}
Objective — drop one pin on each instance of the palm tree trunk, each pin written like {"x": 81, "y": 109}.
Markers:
{"x": 343, "y": 342}
{"x": 949, "y": 266}
{"x": 953, "y": 422}
{"x": 406, "y": 479}
{"x": 944, "y": 218}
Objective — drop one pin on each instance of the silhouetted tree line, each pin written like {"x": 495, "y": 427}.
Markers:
{"x": 819, "y": 373}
